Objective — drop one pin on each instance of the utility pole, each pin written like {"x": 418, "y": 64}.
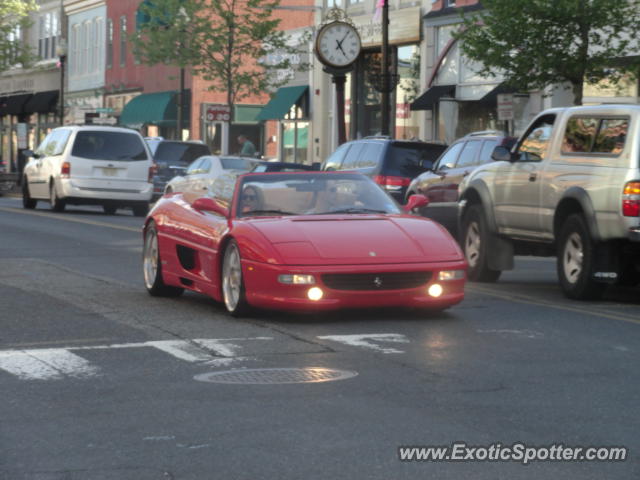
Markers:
{"x": 385, "y": 106}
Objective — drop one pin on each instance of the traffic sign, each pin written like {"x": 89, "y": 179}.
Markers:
{"x": 505, "y": 106}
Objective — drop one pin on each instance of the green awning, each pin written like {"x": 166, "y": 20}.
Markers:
{"x": 282, "y": 102}
{"x": 153, "y": 109}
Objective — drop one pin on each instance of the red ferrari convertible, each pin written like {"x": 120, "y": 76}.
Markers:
{"x": 300, "y": 241}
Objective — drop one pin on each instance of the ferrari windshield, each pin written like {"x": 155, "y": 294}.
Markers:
{"x": 321, "y": 193}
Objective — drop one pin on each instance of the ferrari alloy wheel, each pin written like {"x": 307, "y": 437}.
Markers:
{"x": 475, "y": 239}
{"x": 152, "y": 267}
{"x": 575, "y": 261}
{"x": 57, "y": 204}
{"x": 232, "y": 284}
{"x": 27, "y": 201}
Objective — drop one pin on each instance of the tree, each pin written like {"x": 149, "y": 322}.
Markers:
{"x": 234, "y": 44}
{"x": 537, "y": 43}
{"x": 14, "y": 18}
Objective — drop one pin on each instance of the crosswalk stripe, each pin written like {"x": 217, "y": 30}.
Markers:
{"x": 46, "y": 364}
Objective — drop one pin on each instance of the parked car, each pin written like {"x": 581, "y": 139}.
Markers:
{"x": 99, "y": 165}
{"x": 260, "y": 246}
{"x": 172, "y": 157}
{"x": 201, "y": 174}
{"x": 441, "y": 184}
{"x": 392, "y": 164}
{"x": 262, "y": 167}
{"x": 570, "y": 188}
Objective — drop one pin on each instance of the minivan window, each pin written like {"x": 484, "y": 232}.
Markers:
{"x": 370, "y": 155}
{"x": 351, "y": 159}
{"x": 448, "y": 160}
{"x": 102, "y": 145}
{"x": 179, "y": 153}
{"x": 335, "y": 159}
{"x": 469, "y": 154}
{"x": 55, "y": 142}
{"x": 410, "y": 160}
{"x": 487, "y": 149}
{"x": 611, "y": 136}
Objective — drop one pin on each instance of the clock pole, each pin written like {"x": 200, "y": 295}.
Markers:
{"x": 385, "y": 70}
{"x": 339, "y": 79}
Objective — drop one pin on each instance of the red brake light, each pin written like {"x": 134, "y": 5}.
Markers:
{"x": 390, "y": 182}
{"x": 153, "y": 169}
{"x": 631, "y": 199}
{"x": 65, "y": 170}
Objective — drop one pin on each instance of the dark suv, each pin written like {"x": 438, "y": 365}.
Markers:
{"x": 171, "y": 158}
{"x": 440, "y": 184}
{"x": 391, "y": 163}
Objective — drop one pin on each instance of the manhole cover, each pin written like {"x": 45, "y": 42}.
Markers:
{"x": 263, "y": 376}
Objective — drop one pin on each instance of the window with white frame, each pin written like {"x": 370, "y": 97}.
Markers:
{"x": 455, "y": 67}
{"x": 48, "y": 31}
{"x": 76, "y": 48}
{"x": 123, "y": 41}
{"x": 98, "y": 47}
{"x": 449, "y": 3}
{"x": 109, "y": 43}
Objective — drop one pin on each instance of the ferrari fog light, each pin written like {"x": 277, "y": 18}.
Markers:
{"x": 445, "y": 275}
{"x": 435, "y": 290}
{"x": 315, "y": 294}
{"x": 297, "y": 279}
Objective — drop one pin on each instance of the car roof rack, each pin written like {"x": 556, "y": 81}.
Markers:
{"x": 373, "y": 137}
{"x": 484, "y": 132}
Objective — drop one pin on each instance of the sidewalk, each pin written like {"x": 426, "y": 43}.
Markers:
{"x": 9, "y": 186}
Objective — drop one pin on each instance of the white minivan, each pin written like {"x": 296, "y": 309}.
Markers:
{"x": 90, "y": 165}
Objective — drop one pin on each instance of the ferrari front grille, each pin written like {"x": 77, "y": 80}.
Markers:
{"x": 376, "y": 281}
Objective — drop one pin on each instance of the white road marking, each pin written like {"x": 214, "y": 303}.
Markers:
{"x": 46, "y": 364}
{"x": 58, "y": 363}
{"x": 517, "y": 333}
{"x": 365, "y": 341}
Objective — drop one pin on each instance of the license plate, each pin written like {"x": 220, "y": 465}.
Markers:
{"x": 109, "y": 172}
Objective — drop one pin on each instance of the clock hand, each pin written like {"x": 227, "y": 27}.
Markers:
{"x": 339, "y": 47}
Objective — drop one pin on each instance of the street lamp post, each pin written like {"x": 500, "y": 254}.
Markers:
{"x": 184, "y": 17}
{"x": 385, "y": 69}
{"x": 61, "y": 51}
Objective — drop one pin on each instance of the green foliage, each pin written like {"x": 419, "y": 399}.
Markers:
{"x": 14, "y": 19}
{"x": 537, "y": 43}
{"x": 226, "y": 42}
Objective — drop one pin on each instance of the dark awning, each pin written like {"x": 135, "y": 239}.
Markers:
{"x": 282, "y": 102}
{"x": 154, "y": 109}
{"x": 14, "y": 104}
{"x": 42, "y": 102}
{"x": 428, "y": 99}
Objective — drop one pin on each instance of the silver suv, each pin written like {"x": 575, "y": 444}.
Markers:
{"x": 569, "y": 188}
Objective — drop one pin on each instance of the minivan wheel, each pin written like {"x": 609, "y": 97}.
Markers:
{"x": 140, "y": 210}
{"x": 27, "y": 201}
{"x": 57, "y": 204}
{"x": 475, "y": 239}
{"x": 575, "y": 261}
{"x": 152, "y": 266}
{"x": 109, "y": 209}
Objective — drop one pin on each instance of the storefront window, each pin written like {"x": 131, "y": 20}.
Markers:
{"x": 407, "y": 90}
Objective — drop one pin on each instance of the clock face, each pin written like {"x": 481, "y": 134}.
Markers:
{"x": 338, "y": 44}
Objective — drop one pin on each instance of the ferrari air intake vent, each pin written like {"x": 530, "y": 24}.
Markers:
{"x": 376, "y": 281}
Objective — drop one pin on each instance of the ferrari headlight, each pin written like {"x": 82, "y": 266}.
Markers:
{"x": 445, "y": 275}
{"x": 315, "y": 294}
{"x": 297, "y": 279}
{"x": 435, "y": 290}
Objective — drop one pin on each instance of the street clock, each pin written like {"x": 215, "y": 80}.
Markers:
{"x": 338, "y": 45}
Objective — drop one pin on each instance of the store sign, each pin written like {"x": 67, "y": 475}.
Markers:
{"x": 404, "y": 27}
{"x": 505, "y": 106}
{"x": 218, "y": 113}
{"x": 402, "y": 110}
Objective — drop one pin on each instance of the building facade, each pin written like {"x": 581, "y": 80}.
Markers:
{"x": 29, "y": 95}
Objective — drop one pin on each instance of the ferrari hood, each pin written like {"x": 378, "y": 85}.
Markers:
{"x": 358, "y": 240}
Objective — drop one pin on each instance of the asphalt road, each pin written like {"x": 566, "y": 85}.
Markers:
{"x": 101, "y": 381}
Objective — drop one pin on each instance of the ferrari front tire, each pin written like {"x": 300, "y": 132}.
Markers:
{"x": 152, "y": 266}
{"x": 233, "y": 292}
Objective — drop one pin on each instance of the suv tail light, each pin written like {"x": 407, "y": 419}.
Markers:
{"x": 391, "y": 183}
{"x": 153, "y": 169}
{"x": 65, "y": 170}
{"x": 631, "y": 199}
